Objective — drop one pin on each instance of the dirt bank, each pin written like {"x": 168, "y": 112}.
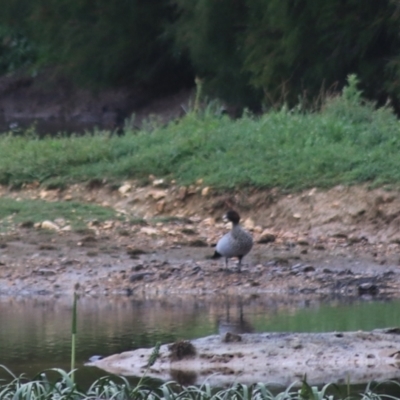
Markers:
{"x": 344, "y": 240}
{"x": 56, "y": 104}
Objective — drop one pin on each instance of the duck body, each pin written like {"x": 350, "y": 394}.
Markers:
{"x": 236, "y": 243}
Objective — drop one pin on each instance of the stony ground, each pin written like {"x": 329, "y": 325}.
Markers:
{"x": 344, "y": 240}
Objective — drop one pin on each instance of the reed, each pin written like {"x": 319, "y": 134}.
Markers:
{"x": 73, "y": 336}
{"x": 106, "y": 388}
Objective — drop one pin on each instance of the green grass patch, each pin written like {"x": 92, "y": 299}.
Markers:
{"x": 76, "y": 214}
{"x": 348, "y": 142}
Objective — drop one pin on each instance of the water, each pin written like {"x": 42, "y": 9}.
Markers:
{"x": 35, "y": 333}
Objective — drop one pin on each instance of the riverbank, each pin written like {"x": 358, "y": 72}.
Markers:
{"x": 343, "y": 240}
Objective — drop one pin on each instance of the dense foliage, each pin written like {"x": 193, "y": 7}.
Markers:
{"x": 100, "y": 42}
{"x": 246, "y": 51}
{"x": 296, "y": 47}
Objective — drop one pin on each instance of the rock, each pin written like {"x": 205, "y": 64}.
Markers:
{"x": 395, "y": 239}
{"x": 125, "y": 188}
{"x": 267, "y": 237}
{"x": 158, "y": 182}
{"x": 148, "y": 230}
{"x": 50, "y": 226}
{"x": 356, "y": 210}
{"x": 356, "y": 239}
{"x": 312, "y": 192}
{"x": 139, "y": 276}
{"x": 258, "y": 229}
{"x": 160, "y": 206}
{"x": 89, "y": 239}
{"x": 181, "y": 349}
{"x": 43, "y": 194}
{"x": 197, "y": 243}
{"x": 135, "y": 252}
{"x": 205, "y": 191}
{"x": 196, "y": 270}
{"x": 249, "y": 224}
{"x": 108, "y": 225}
{"x": 47, "y": 246}
{"x": 182, "y": 193}
{"x": 95, "y": 358}
{"x": 308, "y": 268}
{"x": 209, "y": 221}
{"x": 339, "y": 235}
{"x": 157, "y": 194}
{"x": 46, "y": 272}
{"x": 192, "y": 189}
{"x": 27, "y": 224}
{"x": 60, "y": 221}
{"x": 368, "y": 288}
{"x": 231, "y": 338}
{"x": 302, "y": 241}
{"x": 297, "y": 216}
{"x": 188, "y": 231}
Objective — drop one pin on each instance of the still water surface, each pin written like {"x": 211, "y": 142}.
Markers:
{"x": 35, "y": 333}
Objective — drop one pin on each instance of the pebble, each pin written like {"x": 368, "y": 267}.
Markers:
{"x": 205, "y": 191}
{"x": 125, "y": 188}
{"x": 49, "y": 225}
{"x": 139, "y": 276}
{"x": 266, "y": 237}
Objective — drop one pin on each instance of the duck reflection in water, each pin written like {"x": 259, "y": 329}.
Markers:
{"x": 231, "y": 325}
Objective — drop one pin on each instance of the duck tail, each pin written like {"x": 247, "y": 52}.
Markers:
{"x": 215, "y": 255}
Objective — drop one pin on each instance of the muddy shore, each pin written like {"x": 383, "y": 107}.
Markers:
{"x": 280, "y": 359}
{"x": 343, "y": 241}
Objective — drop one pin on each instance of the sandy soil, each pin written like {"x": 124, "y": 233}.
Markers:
{"x": 343, "y": 241}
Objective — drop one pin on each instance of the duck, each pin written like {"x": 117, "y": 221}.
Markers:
{"x": 236, "y": 243}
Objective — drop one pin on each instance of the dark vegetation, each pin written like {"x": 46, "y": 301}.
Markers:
{"x": 250, "y": 53}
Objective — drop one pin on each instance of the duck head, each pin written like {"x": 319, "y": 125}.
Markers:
{"x": 232, "y": 216}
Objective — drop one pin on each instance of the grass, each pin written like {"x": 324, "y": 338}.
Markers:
{"x": 62, "y": 387}
{"x": 348, "y": 142}
{"x": 76, "y": 214}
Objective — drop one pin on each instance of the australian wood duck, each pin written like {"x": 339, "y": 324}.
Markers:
{"x": 236, "y": 243}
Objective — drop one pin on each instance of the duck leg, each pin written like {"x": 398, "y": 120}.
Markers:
{"x": 239, "y": 263}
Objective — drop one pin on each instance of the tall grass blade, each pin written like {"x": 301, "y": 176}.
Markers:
{"x": 73, "y": 335}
